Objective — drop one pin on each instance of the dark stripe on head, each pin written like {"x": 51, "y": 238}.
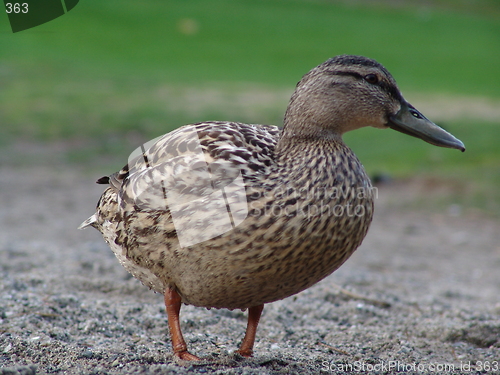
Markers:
{"x": 353, "y": 60}
{"x": 391, "y": 90}
{"x": 350, "y": 60}
{"x": 345, "y": 73}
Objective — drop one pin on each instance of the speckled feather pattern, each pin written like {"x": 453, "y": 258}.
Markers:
{"x": 309, "y": 208}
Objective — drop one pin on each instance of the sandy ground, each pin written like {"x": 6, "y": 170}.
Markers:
{"x": 421, "y": 295}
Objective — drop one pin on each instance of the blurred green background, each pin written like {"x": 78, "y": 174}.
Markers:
{"x": 96, "y": 82}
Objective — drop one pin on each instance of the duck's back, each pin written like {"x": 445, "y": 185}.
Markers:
{"x": 217, "y": 212}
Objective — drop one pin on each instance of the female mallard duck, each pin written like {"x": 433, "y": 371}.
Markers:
{"x": 231, "y": 215}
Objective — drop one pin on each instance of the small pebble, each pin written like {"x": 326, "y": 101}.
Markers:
{"x": 87, "y": 354}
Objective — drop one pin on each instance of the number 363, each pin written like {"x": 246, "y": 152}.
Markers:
{"x": 16, "y": 7}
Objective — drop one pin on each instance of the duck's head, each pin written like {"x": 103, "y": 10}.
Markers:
{"x": 349, "y": 92}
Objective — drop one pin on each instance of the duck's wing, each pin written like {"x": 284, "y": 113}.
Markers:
{"x": 197, "y": 172}
{"x": 193, "y": 161}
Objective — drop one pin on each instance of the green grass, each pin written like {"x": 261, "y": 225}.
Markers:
{"x": 268, "y": 41}
{"x": 55, "y": 78}
{"x": 112, "y": 73}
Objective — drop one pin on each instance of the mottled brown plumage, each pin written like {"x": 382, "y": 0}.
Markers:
{"x": 231, "y": 215}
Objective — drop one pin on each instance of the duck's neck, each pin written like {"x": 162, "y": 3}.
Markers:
{"x": 305, "y": 134}
{"x": 308, "y": 119}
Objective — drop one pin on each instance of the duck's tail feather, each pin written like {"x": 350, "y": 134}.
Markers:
{"x": 103, "y": 180}
{"x": 89, "y": 222}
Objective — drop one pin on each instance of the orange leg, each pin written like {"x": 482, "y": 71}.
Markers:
{"x": 173, "y": 305}
{"x": 246, "y": 348}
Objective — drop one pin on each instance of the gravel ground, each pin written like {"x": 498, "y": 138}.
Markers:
{"x": 420, "y": 295}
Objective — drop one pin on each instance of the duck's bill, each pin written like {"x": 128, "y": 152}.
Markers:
{"x": 410, "y": 121}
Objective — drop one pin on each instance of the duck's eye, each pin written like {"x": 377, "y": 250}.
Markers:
{"x": 371, "y": 78}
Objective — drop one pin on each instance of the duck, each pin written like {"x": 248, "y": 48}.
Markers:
{"x": 230, "y": 215}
